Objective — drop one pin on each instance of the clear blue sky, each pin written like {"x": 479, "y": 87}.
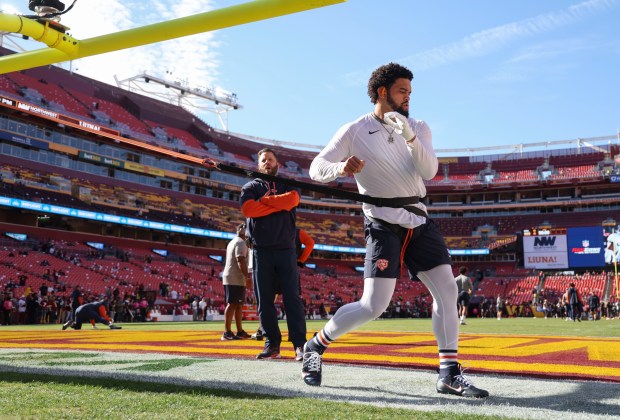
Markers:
{"x": 487, "y": 72}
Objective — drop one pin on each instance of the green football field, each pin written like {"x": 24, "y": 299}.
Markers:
{"x": 533, "y": 326}
{"x": 45, "y": 391}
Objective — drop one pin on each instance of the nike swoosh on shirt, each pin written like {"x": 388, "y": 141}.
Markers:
{"x": 372, "y": 132}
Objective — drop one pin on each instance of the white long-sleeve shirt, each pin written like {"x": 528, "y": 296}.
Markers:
{"x": 392, "y": 169}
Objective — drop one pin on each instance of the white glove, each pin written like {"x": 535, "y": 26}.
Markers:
{"x": 400, "y": 124}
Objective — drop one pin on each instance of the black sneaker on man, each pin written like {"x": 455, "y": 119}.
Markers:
{"x": 242, "y": 335}
{"x": 258, "y": 336}
{"x": 67, "y": 325}
{"x": 228, "y": 335}
{"x": 269, "y": 352}
{"x": 457, "y": 384}
{"x": 312, "y": 366}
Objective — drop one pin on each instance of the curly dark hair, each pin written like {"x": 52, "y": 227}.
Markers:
{"x": 386, "y": 75}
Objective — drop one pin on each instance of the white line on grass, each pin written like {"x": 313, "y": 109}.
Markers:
{"x": 524, "y": 398}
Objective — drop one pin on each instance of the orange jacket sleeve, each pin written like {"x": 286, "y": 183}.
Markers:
{"x": 104, "y": 313}
{"x": 253, "y": 209}
{"x": 286, "y": 201}
{"x": 308, "y": 242}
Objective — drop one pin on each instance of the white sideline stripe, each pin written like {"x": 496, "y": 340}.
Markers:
{"x": 385, "y": 387}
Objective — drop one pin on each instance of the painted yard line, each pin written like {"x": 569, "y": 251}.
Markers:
{"x": 515, "y": 397}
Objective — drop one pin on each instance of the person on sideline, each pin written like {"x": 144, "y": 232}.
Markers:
{"x": 593, "y": 306}
{"x": 77, "y": 299}
{"x": 236, "y": 278}
{"x": 195, "y": 309}
{"x": 499, "y": 307}
{"x": 465, "y": 288}
{"x": 573, "y": 299}
{"x": 269, "y": 207}
{"x": 91, "y": 312}
{"x": 304, "y": 245}
{"x": 390, "y": 155}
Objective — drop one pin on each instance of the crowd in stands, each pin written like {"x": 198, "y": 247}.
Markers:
{"x": 335, "y": 229}
{"x": 545, "y": 293}
{"x": 36, "y": 283}
{"x": 40, "y": 278}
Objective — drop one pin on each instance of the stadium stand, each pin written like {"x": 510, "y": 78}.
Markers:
{"x": 479, "y": 202}
{"x": 50, "y": 95}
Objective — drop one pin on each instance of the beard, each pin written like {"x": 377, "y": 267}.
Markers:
{"x": 272, "y": 171}
{"x": 396, "y": 107}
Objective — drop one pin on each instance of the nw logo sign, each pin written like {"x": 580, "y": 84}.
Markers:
{"x": 544, "y": 241}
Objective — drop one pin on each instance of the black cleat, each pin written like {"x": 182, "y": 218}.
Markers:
{"x": 459, "y": 385}
{"x": 67, "y": 325}
{"x": 312, "y": 367}
{"x": 115, "y": 327}
{"x": 228, "y": 335}
{"x": 242, "y": 335}
{"x": 269, "y": 352}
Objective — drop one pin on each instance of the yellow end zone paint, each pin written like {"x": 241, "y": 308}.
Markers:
{"x": 522, "y": 355}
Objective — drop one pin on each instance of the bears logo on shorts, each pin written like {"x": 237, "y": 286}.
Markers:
{"x": 382, "y": 264}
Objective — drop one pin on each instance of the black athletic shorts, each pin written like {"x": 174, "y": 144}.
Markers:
{"x": 384, "y": 241}
{"x": 234, "y": 294}
{"x": 463, "y": 298}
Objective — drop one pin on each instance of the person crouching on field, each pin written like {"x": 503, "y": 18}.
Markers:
{"x": 91, "y": 312}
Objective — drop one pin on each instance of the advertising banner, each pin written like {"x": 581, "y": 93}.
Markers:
{"x": 545, "y": 251}
{"x": 586, "y": 247}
